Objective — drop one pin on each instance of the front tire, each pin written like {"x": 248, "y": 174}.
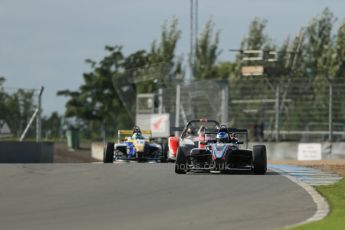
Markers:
{"x": 108, "y": 153}
{"x": 259, "y": 159}
{"x": 181, "y": 162}
{"x": 140, "y": 157}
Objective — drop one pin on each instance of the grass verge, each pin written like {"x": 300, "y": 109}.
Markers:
{"x": 335, "y": 195}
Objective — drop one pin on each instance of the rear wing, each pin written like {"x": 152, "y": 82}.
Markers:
{"x": 130, "y": 132}
{"x": 242, "y": 132}
{"x": 228, "y": 130}
{"x": 235, "y": 130}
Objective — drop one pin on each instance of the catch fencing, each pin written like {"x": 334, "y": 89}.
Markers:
{"x": 17, "y": 107}
{"x": 289, "y": 109}
{"x": 272, "y": 108}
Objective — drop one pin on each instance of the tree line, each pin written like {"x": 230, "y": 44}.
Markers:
{"x": 321, "y": 53}
{"x": 97, "y": 107}
{"x": 17, "y": 107}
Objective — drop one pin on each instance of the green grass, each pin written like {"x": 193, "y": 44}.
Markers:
{"x": 335, "y": 195}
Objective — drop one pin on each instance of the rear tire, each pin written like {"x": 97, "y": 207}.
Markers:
{"x": 164, "y": 156}
{"x": 108, "y": 153}
{"x": 259, "y": 159}
{"x": 181, "y": 162}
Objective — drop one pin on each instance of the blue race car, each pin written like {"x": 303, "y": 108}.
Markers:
{"x": 134, "y": 145}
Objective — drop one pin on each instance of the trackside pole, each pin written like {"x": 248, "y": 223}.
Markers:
{"x": 38, "y": 117}
{"x": 330, "y": 112}
{"x": 276, "y": 126}
{"x": 177, "y": 116}
{"x": 225, "y": 104}
{"x": 28, "y": 125}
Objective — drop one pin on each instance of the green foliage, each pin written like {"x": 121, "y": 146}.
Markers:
{"x": 16, "y": 108}
{"x": 321, "y": 55}
{"x": 97, "y": 103}
{"x": 206, "y": 53}
{"x": 315, "y": 65}
{"x": 339, "y": 53}
{"x": 165, "y": 50}
{"x": 242, "y": 87}
{"x": 256, "y": 38}
{"x": 319, "y": 44}
{"x": 51, "y": 126}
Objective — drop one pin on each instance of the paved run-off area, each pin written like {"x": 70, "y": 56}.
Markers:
{"x": 145, "y": 196}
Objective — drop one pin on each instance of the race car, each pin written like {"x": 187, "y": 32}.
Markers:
{"x": 219, "y": 152}
{"x": 197, "y": 129}
{"x": 135, "y": 145}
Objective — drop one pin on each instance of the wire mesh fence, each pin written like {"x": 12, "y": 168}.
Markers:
{"x": 270, "y": 107}
{"x": 289, "y": 109}
{"x": 197, "y": 99}
{"x": 17, "y": 105}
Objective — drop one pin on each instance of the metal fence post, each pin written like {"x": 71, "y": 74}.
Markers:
{"x": 177, "y": 116}
{"x": 38, "y": 117}
{"x": 330, "y": 111}
{"x": 225, "y": 104}
{"x": 276, "y": 126}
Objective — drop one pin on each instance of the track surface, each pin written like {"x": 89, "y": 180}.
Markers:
{"x": 144, "y": 196}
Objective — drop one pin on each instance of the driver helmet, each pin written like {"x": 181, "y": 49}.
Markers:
{"x": 136, "y": 129}
{"x": 137, "y": 136}
{"x": 222, "y": 137}
{"x": 233, "y": 137}
{"x": 190, "y": 130}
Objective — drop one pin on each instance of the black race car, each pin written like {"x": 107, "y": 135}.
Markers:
{"x": 216, "y": 148}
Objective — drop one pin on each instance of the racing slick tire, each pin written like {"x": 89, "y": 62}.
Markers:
{"x": 108, "y": 153}
{"x": 181, "y": 162}
{"x": 259, "y": 159}
{"x": 164, "y": 156}
{"x": 140, "y": 157}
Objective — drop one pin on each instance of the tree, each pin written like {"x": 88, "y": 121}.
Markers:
{"x": 99, "y": 102}
{"x": 165, "y": 50}
{"x": 96, "y": 101}
{"x": 338, "y": 73}
{"x": 244, "y": 87}
{"x": 52, "y": 125}
{"x": 162, "y": 54}
{"x": 206, "y": 53}
{"x": 339, "y": 53}
{"x": 16, "y": 108}
{"x": 318, "y": 62}
{"x": 256, "y": 38}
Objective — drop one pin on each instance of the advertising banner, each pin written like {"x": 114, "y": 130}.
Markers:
{"x": 309, "y": 151}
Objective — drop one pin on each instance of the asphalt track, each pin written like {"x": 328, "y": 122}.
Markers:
{"x": 145, "y": 196}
